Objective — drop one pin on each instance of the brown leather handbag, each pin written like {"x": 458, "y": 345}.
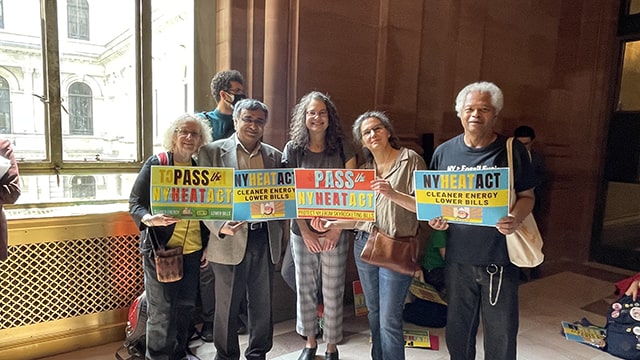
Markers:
{"x": 396, "y": 254}
{"x": 169, "y": 264}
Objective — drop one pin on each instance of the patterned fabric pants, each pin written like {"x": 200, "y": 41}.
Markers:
{"x": 326, "y": 268}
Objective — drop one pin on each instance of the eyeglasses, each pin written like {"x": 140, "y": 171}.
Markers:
{"x": 376, "y": 129}
{"x": 321, "y": 113}
{"x": 257, "y": 122}
{"x": 185, "y": 133}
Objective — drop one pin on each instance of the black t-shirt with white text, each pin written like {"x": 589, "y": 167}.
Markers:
{"x": 472, "y": 244}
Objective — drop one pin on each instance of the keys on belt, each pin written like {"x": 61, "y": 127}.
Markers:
{"x": 257, "y": 225}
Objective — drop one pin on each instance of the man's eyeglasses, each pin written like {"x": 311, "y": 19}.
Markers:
{"x": 185, "y": 133}
{"x": 376, "y": 129}
{"x": 321, "y": 113}
{"x": 249, "y": 121}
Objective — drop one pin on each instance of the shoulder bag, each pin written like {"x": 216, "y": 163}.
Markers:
{"x": 623, "y": 328}
{"x": 396, "y": 254}
{"x": 525, "y": 244}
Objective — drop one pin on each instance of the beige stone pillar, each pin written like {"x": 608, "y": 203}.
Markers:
{"x": 276, "y": 71}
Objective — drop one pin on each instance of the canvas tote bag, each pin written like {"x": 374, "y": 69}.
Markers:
{"x": 525, "y": 244}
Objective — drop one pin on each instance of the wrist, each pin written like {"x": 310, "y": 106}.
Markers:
{"x": 515, "y": 219}
{"x": 146, "y": 219}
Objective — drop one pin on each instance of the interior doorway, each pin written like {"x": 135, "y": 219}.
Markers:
{"x": 617, "y": 230}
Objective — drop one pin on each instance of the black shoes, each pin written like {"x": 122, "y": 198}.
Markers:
{"x": 308, "y": 354}
{"x": 206, "y": 334}
{"x": 331, "y": 355}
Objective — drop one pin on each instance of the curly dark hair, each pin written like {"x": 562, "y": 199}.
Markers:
{"x": 222, "y": 81}
{"x": 394, "y": 141}
{"x": 299, "y": 133}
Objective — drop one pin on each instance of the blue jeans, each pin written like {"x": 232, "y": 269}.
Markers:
{"x": 471, "y": 291}
{"x": 384, "y": 293}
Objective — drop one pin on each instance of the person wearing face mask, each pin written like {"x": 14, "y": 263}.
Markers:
{"x": 227, "y": 88}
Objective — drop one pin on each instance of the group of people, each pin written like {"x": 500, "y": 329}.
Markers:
{"x": 481, "y": 282}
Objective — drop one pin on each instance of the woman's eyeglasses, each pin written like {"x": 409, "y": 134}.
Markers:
{"x": 321, "y": 113}
{"x": 185, "y": 133}
{"x": 376, "y": 129}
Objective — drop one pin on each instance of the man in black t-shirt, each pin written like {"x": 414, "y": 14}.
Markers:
{"x": 479, "y": 277}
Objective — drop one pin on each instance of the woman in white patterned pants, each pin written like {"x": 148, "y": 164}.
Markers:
{"x": 320, "y": 256}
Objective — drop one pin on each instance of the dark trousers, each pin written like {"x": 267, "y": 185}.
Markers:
{"x": 170, "y": 307}
{"x": 207, "y": 298}
{"x": 206, "y": 294}
{"x": 253, "y": 279}
{"x": 468, "y": 296}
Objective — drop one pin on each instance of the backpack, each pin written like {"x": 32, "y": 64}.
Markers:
{"x": 623, "y": 328}
{"x": 136, "y": 330}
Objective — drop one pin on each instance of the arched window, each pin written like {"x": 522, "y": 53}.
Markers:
{"x": 78, "y": 19}
{"x": 5, "y": 107}
{"x": 83, "y": 187}
{"x": 80, "y": 109}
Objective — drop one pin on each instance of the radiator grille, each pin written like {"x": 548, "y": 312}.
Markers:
{"x": 48, "y": 281}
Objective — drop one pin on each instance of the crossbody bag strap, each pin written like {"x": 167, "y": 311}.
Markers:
{"x": 164, "y": 160}
{"x": 511, "y": 170}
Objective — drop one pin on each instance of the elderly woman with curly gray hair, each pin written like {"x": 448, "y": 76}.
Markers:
{"x": 170, "y": 305}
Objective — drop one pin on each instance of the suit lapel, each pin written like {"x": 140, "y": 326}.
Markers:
{"x": 268, "y": 158}
{"x": 228, "y": 153}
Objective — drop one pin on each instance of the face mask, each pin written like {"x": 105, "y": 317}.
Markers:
{"x": 235, "y": 98}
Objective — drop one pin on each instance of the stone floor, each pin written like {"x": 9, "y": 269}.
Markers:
{"x": 564, "y": 292}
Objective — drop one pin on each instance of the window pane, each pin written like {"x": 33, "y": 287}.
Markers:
{"x": 1, "y": 14}
{"x": 172, "y": 50}
{"x": 630, "y": 84}
{"x": 634, "y": 7}
{"x": 80, "y": 109}
{"x": 21, "y": 59}
{"x": 38, "y": 189}
{"x": 5, "y": 106}
{"x": 98, "y": 83}
{"x": 78, "y": 19}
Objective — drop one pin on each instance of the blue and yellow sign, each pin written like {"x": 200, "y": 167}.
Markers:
{"x": 478, "y": 197}
{"x": 264, "y": 194}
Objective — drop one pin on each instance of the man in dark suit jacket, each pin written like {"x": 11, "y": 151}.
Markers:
{"x": 243, "y": 253}
{"x": 9, "y": 190}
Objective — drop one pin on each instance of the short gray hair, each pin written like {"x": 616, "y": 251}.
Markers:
{"x": 497, "y": 100}
{"x": 251, "y": 105}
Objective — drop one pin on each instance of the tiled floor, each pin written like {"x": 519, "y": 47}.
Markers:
{"x": 564, "y": 292}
